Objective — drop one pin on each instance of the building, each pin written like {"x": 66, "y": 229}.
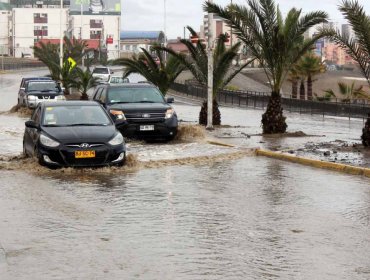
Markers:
{"x": 5, "y": 28}
{"x": 133, "y": 41}
{"x": 29, "y": 25}
{"x": 99, "y": 20}
{"x": 347, "y": 31}
{"x": 25, "y": 22}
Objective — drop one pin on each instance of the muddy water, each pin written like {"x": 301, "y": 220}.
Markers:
{"x": 185, "y": 210}
{"x": 251, "y": 218}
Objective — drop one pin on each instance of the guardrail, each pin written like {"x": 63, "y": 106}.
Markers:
{"x": 259, "y": 100}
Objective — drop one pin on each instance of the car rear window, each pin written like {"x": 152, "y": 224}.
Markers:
{"x": 75, "y": 115}
{"x": 101, "y": 71}
{"x": 135, "y": 95}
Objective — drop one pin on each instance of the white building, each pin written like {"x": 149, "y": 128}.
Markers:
{"x": 104, "y": 29}
{"x": 5, "y": 14}
{"x": 347, "y": 31}
{"x": 31, "y": 21}
{"x": 29, "y": 25}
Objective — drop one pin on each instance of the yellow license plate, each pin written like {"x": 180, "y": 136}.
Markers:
{"x": 84, "y": 154}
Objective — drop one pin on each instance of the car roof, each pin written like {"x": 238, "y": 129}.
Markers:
{"x": 36, "y": 78}
{"x": 131, "y": 85}
{"x": 70, "y": 103}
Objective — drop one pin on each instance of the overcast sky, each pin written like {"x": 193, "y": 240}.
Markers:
{"x": 149, "y": 14}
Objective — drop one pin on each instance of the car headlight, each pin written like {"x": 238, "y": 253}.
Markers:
{"x": 169, "y": 113}
{"x": 60, "y": 97}
{"x": 119, "y": 115}
{"x": 48, "y": 142}
{"x": 31, "y": 97}
{"x": 116, "y": 140}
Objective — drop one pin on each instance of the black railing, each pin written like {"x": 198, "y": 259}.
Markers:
{"x": 356, "y": 109}
{"x": 14, "y": 65}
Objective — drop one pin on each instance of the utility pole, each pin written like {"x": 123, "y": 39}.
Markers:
{"x": 61, "y": 36}
{"x": 231, "y": 31}
{"x": 165, "y": 28}
{"x": 210, "y": 74}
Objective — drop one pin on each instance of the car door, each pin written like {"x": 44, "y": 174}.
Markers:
{"x": 31, "y": 135}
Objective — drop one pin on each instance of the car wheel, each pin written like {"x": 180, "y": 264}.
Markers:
{"x": 39, "y": 157}
{"x": 24, "y": 151}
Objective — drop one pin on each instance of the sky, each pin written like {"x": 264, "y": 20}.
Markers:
{"x": 149, "y": 14}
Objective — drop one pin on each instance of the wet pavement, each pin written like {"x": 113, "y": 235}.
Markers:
{"x": 189, "y": 210}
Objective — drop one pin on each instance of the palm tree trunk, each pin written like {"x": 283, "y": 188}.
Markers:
{"x": 366, "y": 132}
{"x": 204, "y": 111}
{"x": 302, "y": 91}
{"x": 309, "y": 87}
{"x": 84, "y": 96}
{"x": 273, "y": 120}
{"x": 294, "y": 88}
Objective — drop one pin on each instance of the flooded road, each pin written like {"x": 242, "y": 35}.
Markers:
{"x": 190, "y": 210}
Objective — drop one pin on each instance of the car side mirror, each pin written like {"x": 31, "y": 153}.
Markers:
{"x": 112, "y": 72}
{"x": 170, "y": 100}
{"x": 32, "y": 124}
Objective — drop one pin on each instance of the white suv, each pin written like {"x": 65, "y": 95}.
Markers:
{"x": 103, "y": 73}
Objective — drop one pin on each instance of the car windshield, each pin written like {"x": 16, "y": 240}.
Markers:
{"x": 118, "y": 80}
{"x": 135, "y": 95}
{"x": 43, "y": 86}
{"x": 75, "y": 116}
{"x": 101, "y": 71}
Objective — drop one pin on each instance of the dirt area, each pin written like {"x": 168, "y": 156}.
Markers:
{"x": 327, "y": 80}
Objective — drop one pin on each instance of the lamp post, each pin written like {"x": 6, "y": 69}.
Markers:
{"x": 61, "y": 36}
{"x": 210, "y": 74}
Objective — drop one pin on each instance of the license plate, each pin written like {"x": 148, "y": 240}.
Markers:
{"x": 146, "y": 127}
{"x": 84, "y": 154}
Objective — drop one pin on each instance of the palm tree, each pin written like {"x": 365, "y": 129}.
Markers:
{"x": 348, "y": 92}
{"x": 84, "y": 81}
{"x": 49, "y": 54}
{"x": 294, "y": 78}
{"x": 197, "y": 64}
{"x": 161, "y": 74}
{"x": 309, "y": 66}
{"x": 276, "y": 42}
{"x": 358, "y": 47}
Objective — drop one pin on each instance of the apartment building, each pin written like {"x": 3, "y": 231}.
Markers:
{"x": 23, "y": 23}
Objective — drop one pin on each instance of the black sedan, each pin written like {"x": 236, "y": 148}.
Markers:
{"x": 73, "y": 133}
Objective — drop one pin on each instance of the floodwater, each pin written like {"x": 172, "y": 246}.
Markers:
{"x": 189, "y": 210}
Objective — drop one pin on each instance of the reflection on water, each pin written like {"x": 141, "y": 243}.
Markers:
{"x": 251, "y": 218}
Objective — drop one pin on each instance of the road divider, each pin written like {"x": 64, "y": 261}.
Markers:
{"x": 348, "y": 169}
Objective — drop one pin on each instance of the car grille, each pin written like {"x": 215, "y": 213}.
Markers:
{"x": 101, "y": 155}
{"x": 45, "y": 97}
{"x": 145, "y": 117}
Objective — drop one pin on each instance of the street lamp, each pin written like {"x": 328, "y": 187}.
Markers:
{"x": 210, "y": 74}
{"x": 61, "y": 36}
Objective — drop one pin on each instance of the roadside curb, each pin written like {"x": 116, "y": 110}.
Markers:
{"x": 348, "y": 169}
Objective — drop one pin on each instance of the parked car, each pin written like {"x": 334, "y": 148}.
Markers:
{"x": 141, "y": 110}
{"x": 35, "y": 91}
{"x": 102, "y": 72}
{"x": 73, "y": 133}
{"x": 118, "y": 80}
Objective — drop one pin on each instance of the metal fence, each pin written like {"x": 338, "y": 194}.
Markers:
{"x": 8, "y": 64}
{"x": 259, "y": 100}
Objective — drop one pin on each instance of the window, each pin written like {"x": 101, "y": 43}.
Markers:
{"x": 127, "y": 47}
{"x": 40, "y": 31}
{"x": 96, "y": 23}
{"x": 95, "y": 34}
{"x": 40, "y": 18}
